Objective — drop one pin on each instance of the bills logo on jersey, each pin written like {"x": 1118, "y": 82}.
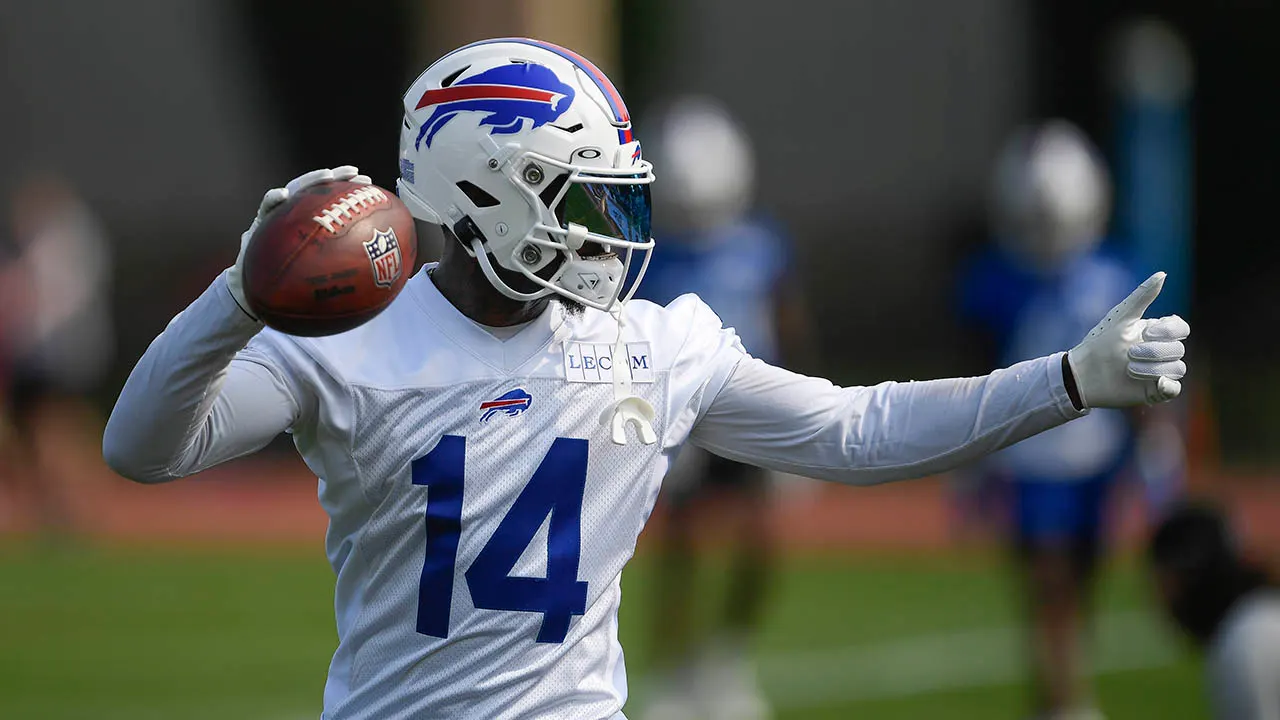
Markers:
{"x": 510, "y": 94}
{"x": 510, "y": 404}
{"x": 384, "y": 254}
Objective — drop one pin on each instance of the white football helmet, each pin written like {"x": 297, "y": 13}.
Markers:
{"x": 524, "y": 150}
{"x": 1052, "y": 195}
{"x": 708, "y": 165}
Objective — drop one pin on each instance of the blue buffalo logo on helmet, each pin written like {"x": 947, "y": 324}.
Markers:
{"x": 510, "y": 94}
{"x": 510, "y": 404}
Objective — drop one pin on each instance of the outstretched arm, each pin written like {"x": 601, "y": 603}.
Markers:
{"x": 189, "y": 404}
{"x": 770, "y": 417}
{"x": 767, "y": 416}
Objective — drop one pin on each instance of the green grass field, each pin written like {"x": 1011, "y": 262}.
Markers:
{"x": 247, "y": 634}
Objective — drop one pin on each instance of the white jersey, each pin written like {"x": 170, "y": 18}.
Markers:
{"x": 480, "y": 514}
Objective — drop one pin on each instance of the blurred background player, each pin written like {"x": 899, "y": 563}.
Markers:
{"x": 1031, "y": 292}
{"x": 1227, "y": 604}
{"x": 58, "y": 341}
{"x": 713, "y": 243}
{"x": 10, "y": 284}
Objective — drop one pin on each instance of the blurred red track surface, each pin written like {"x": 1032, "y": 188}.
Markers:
{"x": 273, "y": 499}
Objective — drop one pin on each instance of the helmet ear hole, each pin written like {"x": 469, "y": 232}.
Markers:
{"x": 477, "y": 195}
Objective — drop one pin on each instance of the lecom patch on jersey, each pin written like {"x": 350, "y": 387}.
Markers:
{"x": 593, "y": 362}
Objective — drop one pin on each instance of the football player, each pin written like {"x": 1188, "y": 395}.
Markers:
{"x": 479, "y": 554}
{"x": 714, "y": 243}
{"x": 1036, "y": 290}
{"x": 1228, "y": 605}
{"x": 53, "y": 300}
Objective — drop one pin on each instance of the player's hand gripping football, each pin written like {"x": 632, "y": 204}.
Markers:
{"x": 1128, "y": 360}
{"x": 270, "y": 201}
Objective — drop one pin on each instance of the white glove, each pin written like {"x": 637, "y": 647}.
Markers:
{"x": 1127, "y": 360}
{"x": 270, "y": 201}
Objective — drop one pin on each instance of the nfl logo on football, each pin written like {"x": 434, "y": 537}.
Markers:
{"x": 384, "y": 255}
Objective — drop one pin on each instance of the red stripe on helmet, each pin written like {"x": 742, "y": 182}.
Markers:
{"x": 476, "y": 92}
{"x": 602, "y": 81}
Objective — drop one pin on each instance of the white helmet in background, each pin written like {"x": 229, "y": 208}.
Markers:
{"x": 524, "y": 150}
{"x": 1052, "y": 195}
{"x": 708, "y": 166}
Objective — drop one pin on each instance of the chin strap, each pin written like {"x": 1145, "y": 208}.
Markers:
{"x": 626, "y": 409}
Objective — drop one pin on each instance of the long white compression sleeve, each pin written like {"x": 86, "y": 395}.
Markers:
{"x": 189, "y": 403}
{"x": 777, "y": 419}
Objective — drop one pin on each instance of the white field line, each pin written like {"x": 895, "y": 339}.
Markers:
{"x": 925, "y": 664}
{"x": 982, "y": 657}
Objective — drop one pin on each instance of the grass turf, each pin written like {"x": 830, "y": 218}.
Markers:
{"x": 247, "y": 633}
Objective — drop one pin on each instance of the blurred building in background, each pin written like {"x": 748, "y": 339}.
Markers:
{"x": 879, "y": 122}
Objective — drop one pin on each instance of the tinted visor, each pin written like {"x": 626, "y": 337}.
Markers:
{"x": 617, "y": 211}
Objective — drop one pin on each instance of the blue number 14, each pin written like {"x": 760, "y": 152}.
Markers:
{"x": 555, "y": 489}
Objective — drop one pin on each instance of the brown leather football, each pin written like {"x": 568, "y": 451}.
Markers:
{"x": 329, "y": 258}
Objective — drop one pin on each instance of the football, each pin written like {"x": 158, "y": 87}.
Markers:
{"x": 329, "y": 258}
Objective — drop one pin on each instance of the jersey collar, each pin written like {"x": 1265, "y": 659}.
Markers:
{"x": 502, "y": 354}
